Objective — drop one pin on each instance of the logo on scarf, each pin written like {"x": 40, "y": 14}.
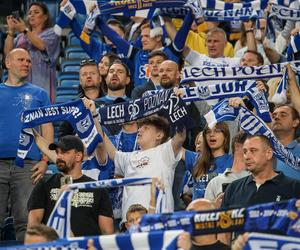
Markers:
{"x": 84, "y": 124}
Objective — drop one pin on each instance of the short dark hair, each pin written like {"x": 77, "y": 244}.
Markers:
{"x": 258, "y": 55}
{"x": 135, "y": 208}
{"x": 159, "y": 123}
{"x": 295, "y": 114}
{"x": 263, "y": 138}
{"x": 42, "y": 230}
{"x": 239, "y": 138}
{"x": 158, "y": 53}
{"x": 123, "y": 64}
{"x": 45, "y": 10}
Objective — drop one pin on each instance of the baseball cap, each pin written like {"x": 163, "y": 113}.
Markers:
{"x": 67, "y": 143}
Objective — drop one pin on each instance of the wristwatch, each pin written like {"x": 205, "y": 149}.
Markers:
{"x": 25, "y": 31}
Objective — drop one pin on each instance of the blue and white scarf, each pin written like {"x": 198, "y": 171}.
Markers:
{"x": 253, "y": 125}
{"x": 285, "y": 13}
{"x": 243, "y": 14}
{"x": 293, "y": 47}
{"x": 164, "y": 101}
{"x": 228, "y": 90}
{"x": 199, "y": 74}
{"x": 136, "y": 241}
{"x": 278, "y": 217}
{"x": 60, "y": 215}
{"x": 74, "y": 112}
{"x": 282, "y": 2}
{"x": 271, "y": 241}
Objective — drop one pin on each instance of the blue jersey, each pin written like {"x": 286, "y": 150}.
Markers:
{"x": 96, "y": 49}
{"x": 140, "y": 57}
{"x": 15, "y": 100}
{"x": 220, "y": 165}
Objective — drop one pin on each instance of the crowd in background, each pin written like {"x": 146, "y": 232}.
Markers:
{"x": 199, "y": 167}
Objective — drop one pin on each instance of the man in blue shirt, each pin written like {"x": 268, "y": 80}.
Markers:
{"x": 18, "y": 95}
{"x": 285, "y": 121}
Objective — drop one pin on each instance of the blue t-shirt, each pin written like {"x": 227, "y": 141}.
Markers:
{"x": 15, "y": 100}
{"x": 220, "y": 165}
{"x": 294, "y": 147}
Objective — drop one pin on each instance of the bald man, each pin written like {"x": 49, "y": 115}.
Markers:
{"x": 206, "y": 242}
{"x": 169, "y": 74}
{"x": 18, "y": 95}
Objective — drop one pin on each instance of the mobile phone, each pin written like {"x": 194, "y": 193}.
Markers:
{"x": 16, "y": 14}
{"x": 66, "y": 180}
{"x": 224, "y": 186}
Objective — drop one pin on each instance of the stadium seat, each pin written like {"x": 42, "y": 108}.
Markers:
{"x": 75, "y": 52}
{"x": 66, "y": 91}
{"x": 64, "y": 98}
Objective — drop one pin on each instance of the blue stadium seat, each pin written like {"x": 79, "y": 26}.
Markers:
{"x": 69, "y": 83}
{"x": 72, "y": 40}
{"x": 75, "y": 52}
{"x": 70, "y": 65}
{"x": 73, "y": 76}
{"x": 64, "y": 98}
{"x": 66, "y": 91}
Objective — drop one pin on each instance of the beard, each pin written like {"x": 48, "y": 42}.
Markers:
{"x": 168, "y": 84}
{"x": 115, "y": 86}
{"x": 63, "y": 167}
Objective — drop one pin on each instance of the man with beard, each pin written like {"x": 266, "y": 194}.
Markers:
{"x": 117, "y": 79}
{"x": 91, "y": 211}
{"x": 89, "y": 87}
{"x": 169, "y": 74}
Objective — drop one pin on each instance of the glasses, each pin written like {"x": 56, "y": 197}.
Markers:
{"x": 87, "y": 62}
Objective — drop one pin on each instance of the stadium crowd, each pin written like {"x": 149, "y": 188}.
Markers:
{"x": 203, "y": 100}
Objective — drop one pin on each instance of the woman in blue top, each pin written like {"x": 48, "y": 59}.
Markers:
{"x": 214, "y": 158}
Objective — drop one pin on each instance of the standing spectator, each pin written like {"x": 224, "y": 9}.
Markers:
{"x": 216, "y": 187}
{"x": 155, "y": 58}
{"x": 39, "y": 39}
{"x": 158, "y": 157}
{"x": 18, "y": 95}
{"x": 214, "y": 158}
{"x": 91, "y": 212}
{"x": 285, "y": 121}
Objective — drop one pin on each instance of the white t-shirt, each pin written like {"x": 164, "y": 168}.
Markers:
{"x": 155, "y": 162}
{"x": 196, "y": 59}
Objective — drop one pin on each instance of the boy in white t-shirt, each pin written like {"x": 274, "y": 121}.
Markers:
{"x": 158, "y": 157}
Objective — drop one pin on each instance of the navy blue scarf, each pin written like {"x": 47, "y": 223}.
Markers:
{"x": 74, "y": 112}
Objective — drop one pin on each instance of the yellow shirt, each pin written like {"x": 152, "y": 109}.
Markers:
{"x": 196, "y": 41}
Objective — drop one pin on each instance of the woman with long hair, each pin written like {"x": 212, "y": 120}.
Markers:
{"x": 214, "y": 158}
{"x": 38, "y": 38}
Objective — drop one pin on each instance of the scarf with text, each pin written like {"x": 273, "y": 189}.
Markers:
{"x": 228, "y": 90}
{"x": 285, "y": 13}
{"x": 74, "y": 112}
{"x": 253, "y": 125}
{"x": 61, "y": 213}
{"x": 270, "y": 241}
{"x": 279, "y": 217}
{"x": 147, "y": 241}
{"x": 165, "y": 102}
{"x": 199, "y": 73}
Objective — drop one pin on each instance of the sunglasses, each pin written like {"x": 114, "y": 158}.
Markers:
{"x": 87, "y": 62}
